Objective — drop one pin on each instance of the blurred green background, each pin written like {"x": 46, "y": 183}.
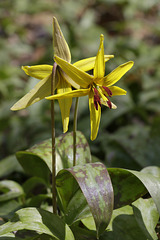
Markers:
{"x": 129, "y": 137}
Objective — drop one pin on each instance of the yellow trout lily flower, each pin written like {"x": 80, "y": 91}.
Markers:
{"x": 62, "y": 82}
{"x": 98, "y": 87}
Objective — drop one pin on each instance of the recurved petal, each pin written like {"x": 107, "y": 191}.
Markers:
{"x": 117, "y": 91}
{"x": 40, "y": 91}
{"x": 79, "y": 77}
{"x": 99, "y": 67}
{"x": 88, "y": 63}
{"x": 95, "y": 116}
{"x": 65, "y": 104}
{"x": 38, "y": 71}
{"x": 60, "y": 45}
{"x": 117, "y": 73}
{"x": 75, "y": 93}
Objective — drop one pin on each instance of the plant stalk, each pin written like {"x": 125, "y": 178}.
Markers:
{"x": 54, "y": 203}
{"x": 74, "y": 131}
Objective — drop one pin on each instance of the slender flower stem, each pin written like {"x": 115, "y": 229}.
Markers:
{"x": 74, "y": 131}
{"x": 53, "y": 143}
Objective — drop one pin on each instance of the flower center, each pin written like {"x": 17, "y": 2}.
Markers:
{"x": 98, "y": 94}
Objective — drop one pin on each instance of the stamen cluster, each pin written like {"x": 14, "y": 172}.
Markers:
{"x": 97, "y": 99}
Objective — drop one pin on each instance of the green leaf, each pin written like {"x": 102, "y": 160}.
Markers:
{"x": 9, "y": 237}
{"x": 7, "y": 208}
{"x": 10, "y": 190}
{"x": 94, "y": 182}
{"x": 127, "y": 187}
{"x": 124, "y": 226}
{"x": 37, "y": 220}
{"x": 130, "y": 224}
{"x": 152, "y": 184}
{"x": 32, "y": 183}
{"x": 154, "y": 170}
{"x": 141, "y": 143}
{"x": 37, "y": 161}
{"x": 83, "y": 233}
{"x": 147, "y": 220}
{"x": 33, "y": 165}
{"x": 36, "y": 201}
{"x": 8, "y": 165}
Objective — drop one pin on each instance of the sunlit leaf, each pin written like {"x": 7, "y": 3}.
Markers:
{"x": 130, "y": 224}
{"x": 10, "y": 190}
{"x": 37, "y": 220}
{"x": 152, "y": 184}
{"x": 147, "y": 220}
{"x": 7, "y": 208}
{"x": 123, "y": 226}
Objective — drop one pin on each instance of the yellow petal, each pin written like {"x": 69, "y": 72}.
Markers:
{"x": 95, "y": 116}
{"x": 40, "y": 91}
{"x": 38, "y": 71}
{"x": 117, "y": 91}
{"x": 75, "y": 93}
{"x": 65, "y": 104}
{"x": 106, "y": 104}
{"x": 60, "y": 45}
{"x": 81, "y": 78}
{"x": 99, "y": 67}
{"x": 88, "y": 63}
{"x": 117, "y": 73}
{"x": 70, "y": 81}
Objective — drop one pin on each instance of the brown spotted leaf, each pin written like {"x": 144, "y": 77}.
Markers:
{"x": 129, "y": 185}
{"x": 96, "y": 190}
{"x": 37, "y": 161}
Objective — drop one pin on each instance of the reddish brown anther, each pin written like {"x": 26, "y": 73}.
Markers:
{"x": 96, "y": 91}
{"x": 109, "y": 103}
{"x": 96, "y": 99}
{"x": 108, "y": 91}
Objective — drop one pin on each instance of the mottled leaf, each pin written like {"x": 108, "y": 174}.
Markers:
{"x": 64, "y": 147}
{"x": 130, "y": 224}
{"x": 95, "y": 184}
{"x": 127, "y": 187}
{"x": 37, "y": 161}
